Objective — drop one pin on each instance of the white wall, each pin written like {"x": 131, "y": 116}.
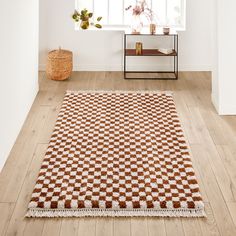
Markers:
{"x": 18, "y": 67}
{"x": 103, "y": 50}
{"x": 224, "y": 77}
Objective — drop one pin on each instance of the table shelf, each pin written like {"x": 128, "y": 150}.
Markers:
{"x": 149, "y": 52}
{"x": 152, "y": 53}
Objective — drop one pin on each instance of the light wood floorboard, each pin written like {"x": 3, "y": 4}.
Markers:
{"x": 212, "y": 141}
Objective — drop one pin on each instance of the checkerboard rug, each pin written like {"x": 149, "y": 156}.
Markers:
{"x": 117, "y": 154}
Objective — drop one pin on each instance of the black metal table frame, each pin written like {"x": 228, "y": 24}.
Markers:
{"x": 175, "y": 64}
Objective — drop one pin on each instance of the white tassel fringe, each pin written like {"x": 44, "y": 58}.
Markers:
{"x": 51, "y": 213}
{"x": 168, "y": 93}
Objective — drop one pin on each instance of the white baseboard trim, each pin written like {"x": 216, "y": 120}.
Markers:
{"x": 215, "y": 102}
{"x": 195, "y": 68}
{"x": 92, "y": 67}
{"x": 228, "y": 110}
{"x": 116, "y": 67}
{"x": 97, "y": 67}
{"x": 13, "y": 139}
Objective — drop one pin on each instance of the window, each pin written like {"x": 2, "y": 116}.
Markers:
{"x": 167, "y": 12}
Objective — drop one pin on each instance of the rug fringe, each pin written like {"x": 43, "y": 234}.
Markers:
{"x": 50, "y": 213}
{"x": 168, "y": 93}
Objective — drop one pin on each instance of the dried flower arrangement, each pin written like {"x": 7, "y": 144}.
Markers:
{"x": 141, "y": 8}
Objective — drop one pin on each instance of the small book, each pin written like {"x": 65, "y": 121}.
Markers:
{"x": 165, "y": 50}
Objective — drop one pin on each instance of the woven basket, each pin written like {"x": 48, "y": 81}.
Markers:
{"x": 59, "y": 64}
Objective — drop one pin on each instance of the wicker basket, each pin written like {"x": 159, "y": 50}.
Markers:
{"x": 59, "y": 65}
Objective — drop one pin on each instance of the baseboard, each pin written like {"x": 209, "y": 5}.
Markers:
{"x": 97, "y": 67}
{"x": 14, "y": 138}
{"x": 118, "y": 67}
{"x": 228, "y": 110}
{"x": 215, "y": 102}
{"x": 195, "y": 67}
{"x": 90, "y": 67}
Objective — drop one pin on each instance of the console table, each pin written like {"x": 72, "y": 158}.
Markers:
{"x": 152, "y": 52}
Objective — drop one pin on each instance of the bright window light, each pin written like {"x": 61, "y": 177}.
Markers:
{"x": 168, "y": 12}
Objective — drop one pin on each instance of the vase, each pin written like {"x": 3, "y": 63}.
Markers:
{"x": 84, "y": 24}
{"x": 137, "y": 24}
{"x": 166, "y": 30}
{"x": 139, "y": 48}
{"x": 152, "y": 28}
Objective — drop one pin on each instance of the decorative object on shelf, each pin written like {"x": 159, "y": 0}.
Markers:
{"x": 140, "y": 9}
{"x": 59, "y": 64}
{"x": 153, "y": 28}
{"x": 139, "y": 48}
{"x": 166, "y": 30}
{"x": 166, "y": 50}
{"x": 137, "y": 24}
{"x": 84, "y": 18}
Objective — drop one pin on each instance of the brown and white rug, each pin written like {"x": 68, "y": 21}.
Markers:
{"x": 117, "y": 154}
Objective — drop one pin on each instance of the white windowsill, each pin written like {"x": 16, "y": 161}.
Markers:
{"x": 124, "y": 29}
{"x": 104, "y": 28}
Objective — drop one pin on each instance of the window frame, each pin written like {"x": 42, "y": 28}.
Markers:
{"x": 181, "y": 27}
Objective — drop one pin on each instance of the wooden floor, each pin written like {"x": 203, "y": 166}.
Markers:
{"x": 213, "y": 145}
